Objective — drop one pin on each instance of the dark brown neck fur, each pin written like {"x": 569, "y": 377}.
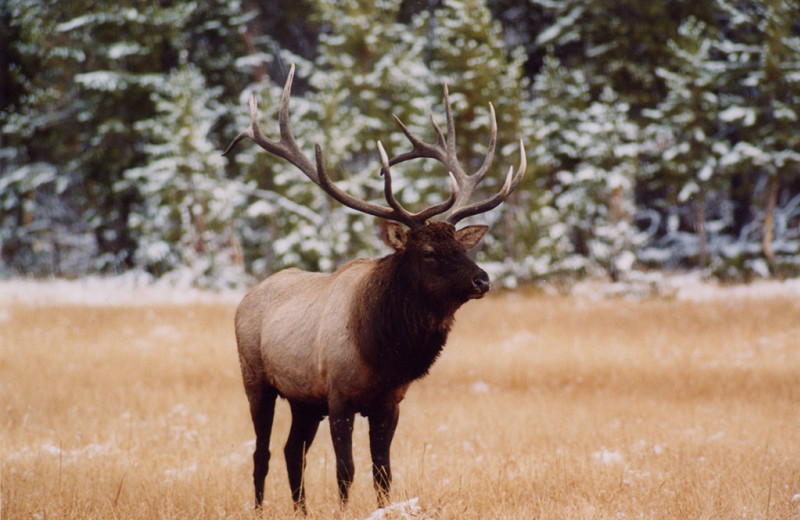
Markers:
{"x": 399, "y": 331}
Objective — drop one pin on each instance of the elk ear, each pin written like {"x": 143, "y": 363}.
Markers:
{"x": 471, "y": 235}
{"x": 393, "y": 235}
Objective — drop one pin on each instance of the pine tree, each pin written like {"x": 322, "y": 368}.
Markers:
{"x": 186, "y": 220}
{"x": 370, "y": 67}
{"x": 89, "y": 73}
{"x": 618, "y": 43}
{"x": 763, "y": 110}
{"x": 686, "y": 125}
{"x": 40, "y": 224}
{"x": 587, "y": 149}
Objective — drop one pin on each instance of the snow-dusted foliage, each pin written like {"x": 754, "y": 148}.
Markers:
{"x": 186, "y": 220}
{"x": 350, "y": 106}
{"x": 685, "y": 134}
{"x": 38, "y": 230}
{"x": 83, "y": 79}
{"x": 724, "y": 144}
{"x": 762, "y": 107}
{"x": 658, "y": 134}
{"x": 712, "y": 162}
{"x": 290, "y": 221}
{"x": 587, "y": 148}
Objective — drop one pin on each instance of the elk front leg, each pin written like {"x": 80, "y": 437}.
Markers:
{"x": 342, "y": 436}
{"x": 381, "y": 432}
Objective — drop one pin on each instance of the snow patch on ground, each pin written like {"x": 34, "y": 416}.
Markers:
{"x": 690, "y": 286}
{"x": 140, "y": 290}
{"x": 709, "y": 290}
{"x": 408, "y": 510}
{"x": 90, "y": 451}
{"x": 124, "y": 290}
{"x": 606, "y": 456}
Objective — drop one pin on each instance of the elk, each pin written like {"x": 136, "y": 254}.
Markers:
{"x": 351, "y": 342}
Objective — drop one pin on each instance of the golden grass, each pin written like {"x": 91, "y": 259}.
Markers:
{"x": 541, "y": 407}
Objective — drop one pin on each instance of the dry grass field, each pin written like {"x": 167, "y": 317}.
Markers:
{"x": 542, "y": 406}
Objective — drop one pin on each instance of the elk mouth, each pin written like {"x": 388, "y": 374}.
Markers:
{"x": 477, "y": 295}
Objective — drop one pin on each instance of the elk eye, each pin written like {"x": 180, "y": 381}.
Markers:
{"x": 427, "y": 254}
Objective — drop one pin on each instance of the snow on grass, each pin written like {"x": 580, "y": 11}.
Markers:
{"x": 690, "y": 286}
{"x": 410, "y": 509}
{"x": 606, "y": 456}
{"x": 89, "y": 451}
{"x": 124, "y": 290}
{"x": 140, "y": 290}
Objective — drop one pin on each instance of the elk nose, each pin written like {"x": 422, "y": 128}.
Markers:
{"x": 481, "y": 283}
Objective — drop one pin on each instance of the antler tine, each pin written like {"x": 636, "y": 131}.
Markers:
{"x": 487, "y": 161}
{"x": 444, "y": 151}
{"x": 286, "y": 147}
{"x": 418, "y": 218}
{"x": 451, "y": 126}
{"x": 363, "y": 206}
{"x": 395, "y": 212}
{"x": 283, "y": 113}
{"x": 249, "y": 132}
{"x": 468, "y": 183}
{"x": 387, "y": 183}
{"x": 419, "y": 148}
{"x": 512, "y": 181}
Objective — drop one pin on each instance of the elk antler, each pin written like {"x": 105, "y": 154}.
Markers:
{"x": 287, "y": 148}
{"x": 444, "y": 151}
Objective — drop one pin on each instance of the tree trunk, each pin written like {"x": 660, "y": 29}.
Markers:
{"x": 700, "y": 227}
{"x": 769, "y": 222}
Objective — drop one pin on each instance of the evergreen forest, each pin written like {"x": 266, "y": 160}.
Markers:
{"x": 658, "y": 135}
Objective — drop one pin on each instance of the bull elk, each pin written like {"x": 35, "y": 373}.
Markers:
{"x": 353, "y": 341}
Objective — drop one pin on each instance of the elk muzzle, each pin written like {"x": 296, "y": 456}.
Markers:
{"x": 480, "y": 285}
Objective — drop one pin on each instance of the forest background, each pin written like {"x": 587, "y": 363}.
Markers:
{"x": 659, "y": 135}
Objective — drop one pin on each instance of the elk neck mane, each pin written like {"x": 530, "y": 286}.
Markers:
{"x": 399, "y": 331}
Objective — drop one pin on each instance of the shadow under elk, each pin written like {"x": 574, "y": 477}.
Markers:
{"x": 352, "y": 341}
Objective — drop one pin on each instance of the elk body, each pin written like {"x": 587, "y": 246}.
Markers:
{"x": 351, "y": 342}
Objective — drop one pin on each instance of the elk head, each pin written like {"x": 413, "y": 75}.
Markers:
{"x": 435, "y": 261}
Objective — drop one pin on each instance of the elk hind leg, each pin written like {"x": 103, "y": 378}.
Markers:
{"x": 262, "y": 410}
{"x": 305, "y": 422}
